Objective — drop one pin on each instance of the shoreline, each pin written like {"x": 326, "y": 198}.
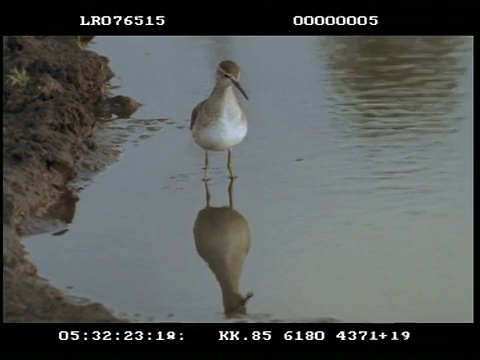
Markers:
{"x": 55, "y": 96}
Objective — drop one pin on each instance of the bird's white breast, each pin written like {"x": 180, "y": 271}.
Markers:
{"x": 228, "y": 130}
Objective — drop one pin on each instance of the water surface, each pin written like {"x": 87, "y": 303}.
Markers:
{"x": 355, "y": 182}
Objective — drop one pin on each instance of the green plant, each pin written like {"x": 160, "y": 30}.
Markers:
{"x": 18, "y": 77}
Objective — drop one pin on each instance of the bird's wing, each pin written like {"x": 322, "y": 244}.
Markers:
{"x": 195, "y": 112}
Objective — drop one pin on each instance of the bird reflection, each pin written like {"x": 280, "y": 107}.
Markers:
{"x": 222, "y": 239}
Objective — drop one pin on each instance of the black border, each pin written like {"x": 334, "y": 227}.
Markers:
{"x": 239, "y": 19}
{"x": 425, "y": 339}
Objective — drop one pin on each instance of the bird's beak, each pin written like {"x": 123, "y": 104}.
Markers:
{"x": 239, "y": 87}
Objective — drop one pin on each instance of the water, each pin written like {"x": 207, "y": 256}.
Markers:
{"x": 355, "y": 182}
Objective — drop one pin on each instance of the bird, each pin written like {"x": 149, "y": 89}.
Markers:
{"x": 219, "y": 122}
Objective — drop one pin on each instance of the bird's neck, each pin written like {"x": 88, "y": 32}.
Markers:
{"x": 223, "y": 92}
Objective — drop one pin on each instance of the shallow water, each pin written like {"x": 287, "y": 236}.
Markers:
{"x": 355, "y": 182}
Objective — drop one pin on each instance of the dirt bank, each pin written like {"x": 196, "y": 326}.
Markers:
{"x": 55, "y": 89}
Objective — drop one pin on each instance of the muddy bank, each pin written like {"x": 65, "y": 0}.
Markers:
{"x": 55, "y": 93}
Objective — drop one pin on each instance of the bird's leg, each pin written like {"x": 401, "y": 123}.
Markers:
{"x": 230, "y": 193}
{"x": 229, "y": 164}
{"x": 207, "y": 194}
{"x": 205, "y": 177}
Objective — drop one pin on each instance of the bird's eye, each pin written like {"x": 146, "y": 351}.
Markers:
{"x": 226, "y": 75}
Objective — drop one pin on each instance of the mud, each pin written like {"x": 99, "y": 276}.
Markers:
{"x": 55, "y": 98}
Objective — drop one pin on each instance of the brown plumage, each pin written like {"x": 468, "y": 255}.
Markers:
{"x": 195, "y": 113}
{"x": 230, "y": 67}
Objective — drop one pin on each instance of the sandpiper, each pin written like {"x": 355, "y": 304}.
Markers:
{"x": 219, "y": 123}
